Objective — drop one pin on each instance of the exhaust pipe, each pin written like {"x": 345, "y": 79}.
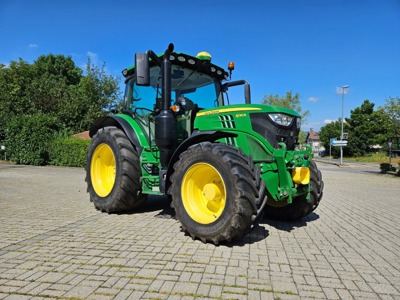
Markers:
{"x": 165, "y": 121}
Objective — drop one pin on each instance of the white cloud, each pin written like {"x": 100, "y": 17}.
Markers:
{"x": 327, "y": 121}
{"x": 312, "y": 99}
{"x": 33, "y": 45}
{"x": 90, "y": 56}
{"x": 93, "y": 57}
{"x": 340, "y": 90}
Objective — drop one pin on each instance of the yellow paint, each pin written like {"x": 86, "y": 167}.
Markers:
{"x": 241, "y": 115}
{"x": 226, "y": 110}
{"x": 203, "y": 193}
{"x": 301, "y": 175}
{"x": 204, "y": 55}
{"x": 102, "y": 170}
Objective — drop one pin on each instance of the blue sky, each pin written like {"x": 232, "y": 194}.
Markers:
{"x": 308, "y": 46}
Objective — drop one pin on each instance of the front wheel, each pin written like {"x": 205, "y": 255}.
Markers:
{"x": 113, "y": 172}
{"x": 213, "y": 192}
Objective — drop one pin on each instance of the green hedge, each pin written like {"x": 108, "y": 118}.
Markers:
{"x": 68, "y": 151}
{"x": 36, "y": 140}
{"x": 28, "y": 138}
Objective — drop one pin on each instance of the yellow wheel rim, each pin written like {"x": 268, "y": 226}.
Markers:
{"x": 102, "y": 170}
{"x": 203, "y": 193}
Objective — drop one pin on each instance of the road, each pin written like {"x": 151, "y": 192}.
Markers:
{"x": 350, "y": 165}
{"x": 54, "y": 244}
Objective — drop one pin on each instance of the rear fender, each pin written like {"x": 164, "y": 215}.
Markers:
{"x": 127, "y": 124}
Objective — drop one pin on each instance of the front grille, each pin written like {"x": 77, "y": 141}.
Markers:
{"x": 273, "y": 132}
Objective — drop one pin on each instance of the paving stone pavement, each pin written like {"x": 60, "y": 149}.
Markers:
{"x": 55, "y": 245}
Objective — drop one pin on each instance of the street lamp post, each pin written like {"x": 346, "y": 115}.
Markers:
{"x": 3, "y": 148}
{"x": 390, "y": 143}
{"x": 341, "y": 134}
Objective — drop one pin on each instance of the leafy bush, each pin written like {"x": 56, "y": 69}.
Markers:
{"x": 68, "y": 151}
{"x": 28, "y": 138}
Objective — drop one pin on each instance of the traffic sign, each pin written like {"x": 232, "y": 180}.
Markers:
{"x": 339, "y": 143}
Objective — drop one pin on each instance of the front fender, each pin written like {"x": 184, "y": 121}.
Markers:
{"x": 195, "y": 138}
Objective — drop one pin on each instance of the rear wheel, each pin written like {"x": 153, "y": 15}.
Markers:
{"x": 214, "y": 191}
{"x": 113, "y": 172}
{"x": 300, "y": 206}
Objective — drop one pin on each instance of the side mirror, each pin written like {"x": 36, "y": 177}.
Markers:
{"x": 142, "y": 70}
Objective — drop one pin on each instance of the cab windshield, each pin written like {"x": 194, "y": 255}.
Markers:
{"x": 202, "y": 89}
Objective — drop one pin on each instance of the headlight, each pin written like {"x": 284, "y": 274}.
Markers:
{"x": 281, "y": 119}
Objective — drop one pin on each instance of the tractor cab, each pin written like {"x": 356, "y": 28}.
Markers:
{"x": 195, "y": 82}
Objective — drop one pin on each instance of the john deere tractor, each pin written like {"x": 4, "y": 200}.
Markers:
{"x": 223, "y": 166}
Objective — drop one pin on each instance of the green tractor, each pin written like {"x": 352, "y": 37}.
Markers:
{"x": 223, "y": 166}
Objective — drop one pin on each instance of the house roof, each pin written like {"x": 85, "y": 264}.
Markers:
{"x": 313, "y": 135}
{"x": 82, "y": 135}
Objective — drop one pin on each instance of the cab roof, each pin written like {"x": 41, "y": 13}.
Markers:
{"x": 187, "y": 61}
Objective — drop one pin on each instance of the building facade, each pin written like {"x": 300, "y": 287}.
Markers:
{"x": 314, "y": 141}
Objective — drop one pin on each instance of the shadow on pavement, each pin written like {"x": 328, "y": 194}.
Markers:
{"x": 257, "y": 234}
{"x": 154, "y": 203}
{"x": 289, "y": 226}
{"x": 372, "y": 172}
{"x": 162, "y": 204}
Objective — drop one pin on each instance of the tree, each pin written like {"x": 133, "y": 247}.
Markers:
{"x": 51, "y": 95}
{"x": 366, "y": 128}
{"x": 288, "y": 101}
{"x": 15, "y": 92}
{"x": 332, "y": 130}
{"x": 55, "y": 86}
{"x": 59, "y": 67}
{"x": 96, "y": 95}
{"x": 392, "y": 111}
{"x": 54, "y": 74}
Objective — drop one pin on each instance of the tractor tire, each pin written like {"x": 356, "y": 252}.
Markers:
{"x": 113, "y": 172}
{"x": 300, "y": 206}
{"x": 214, "y": 191}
